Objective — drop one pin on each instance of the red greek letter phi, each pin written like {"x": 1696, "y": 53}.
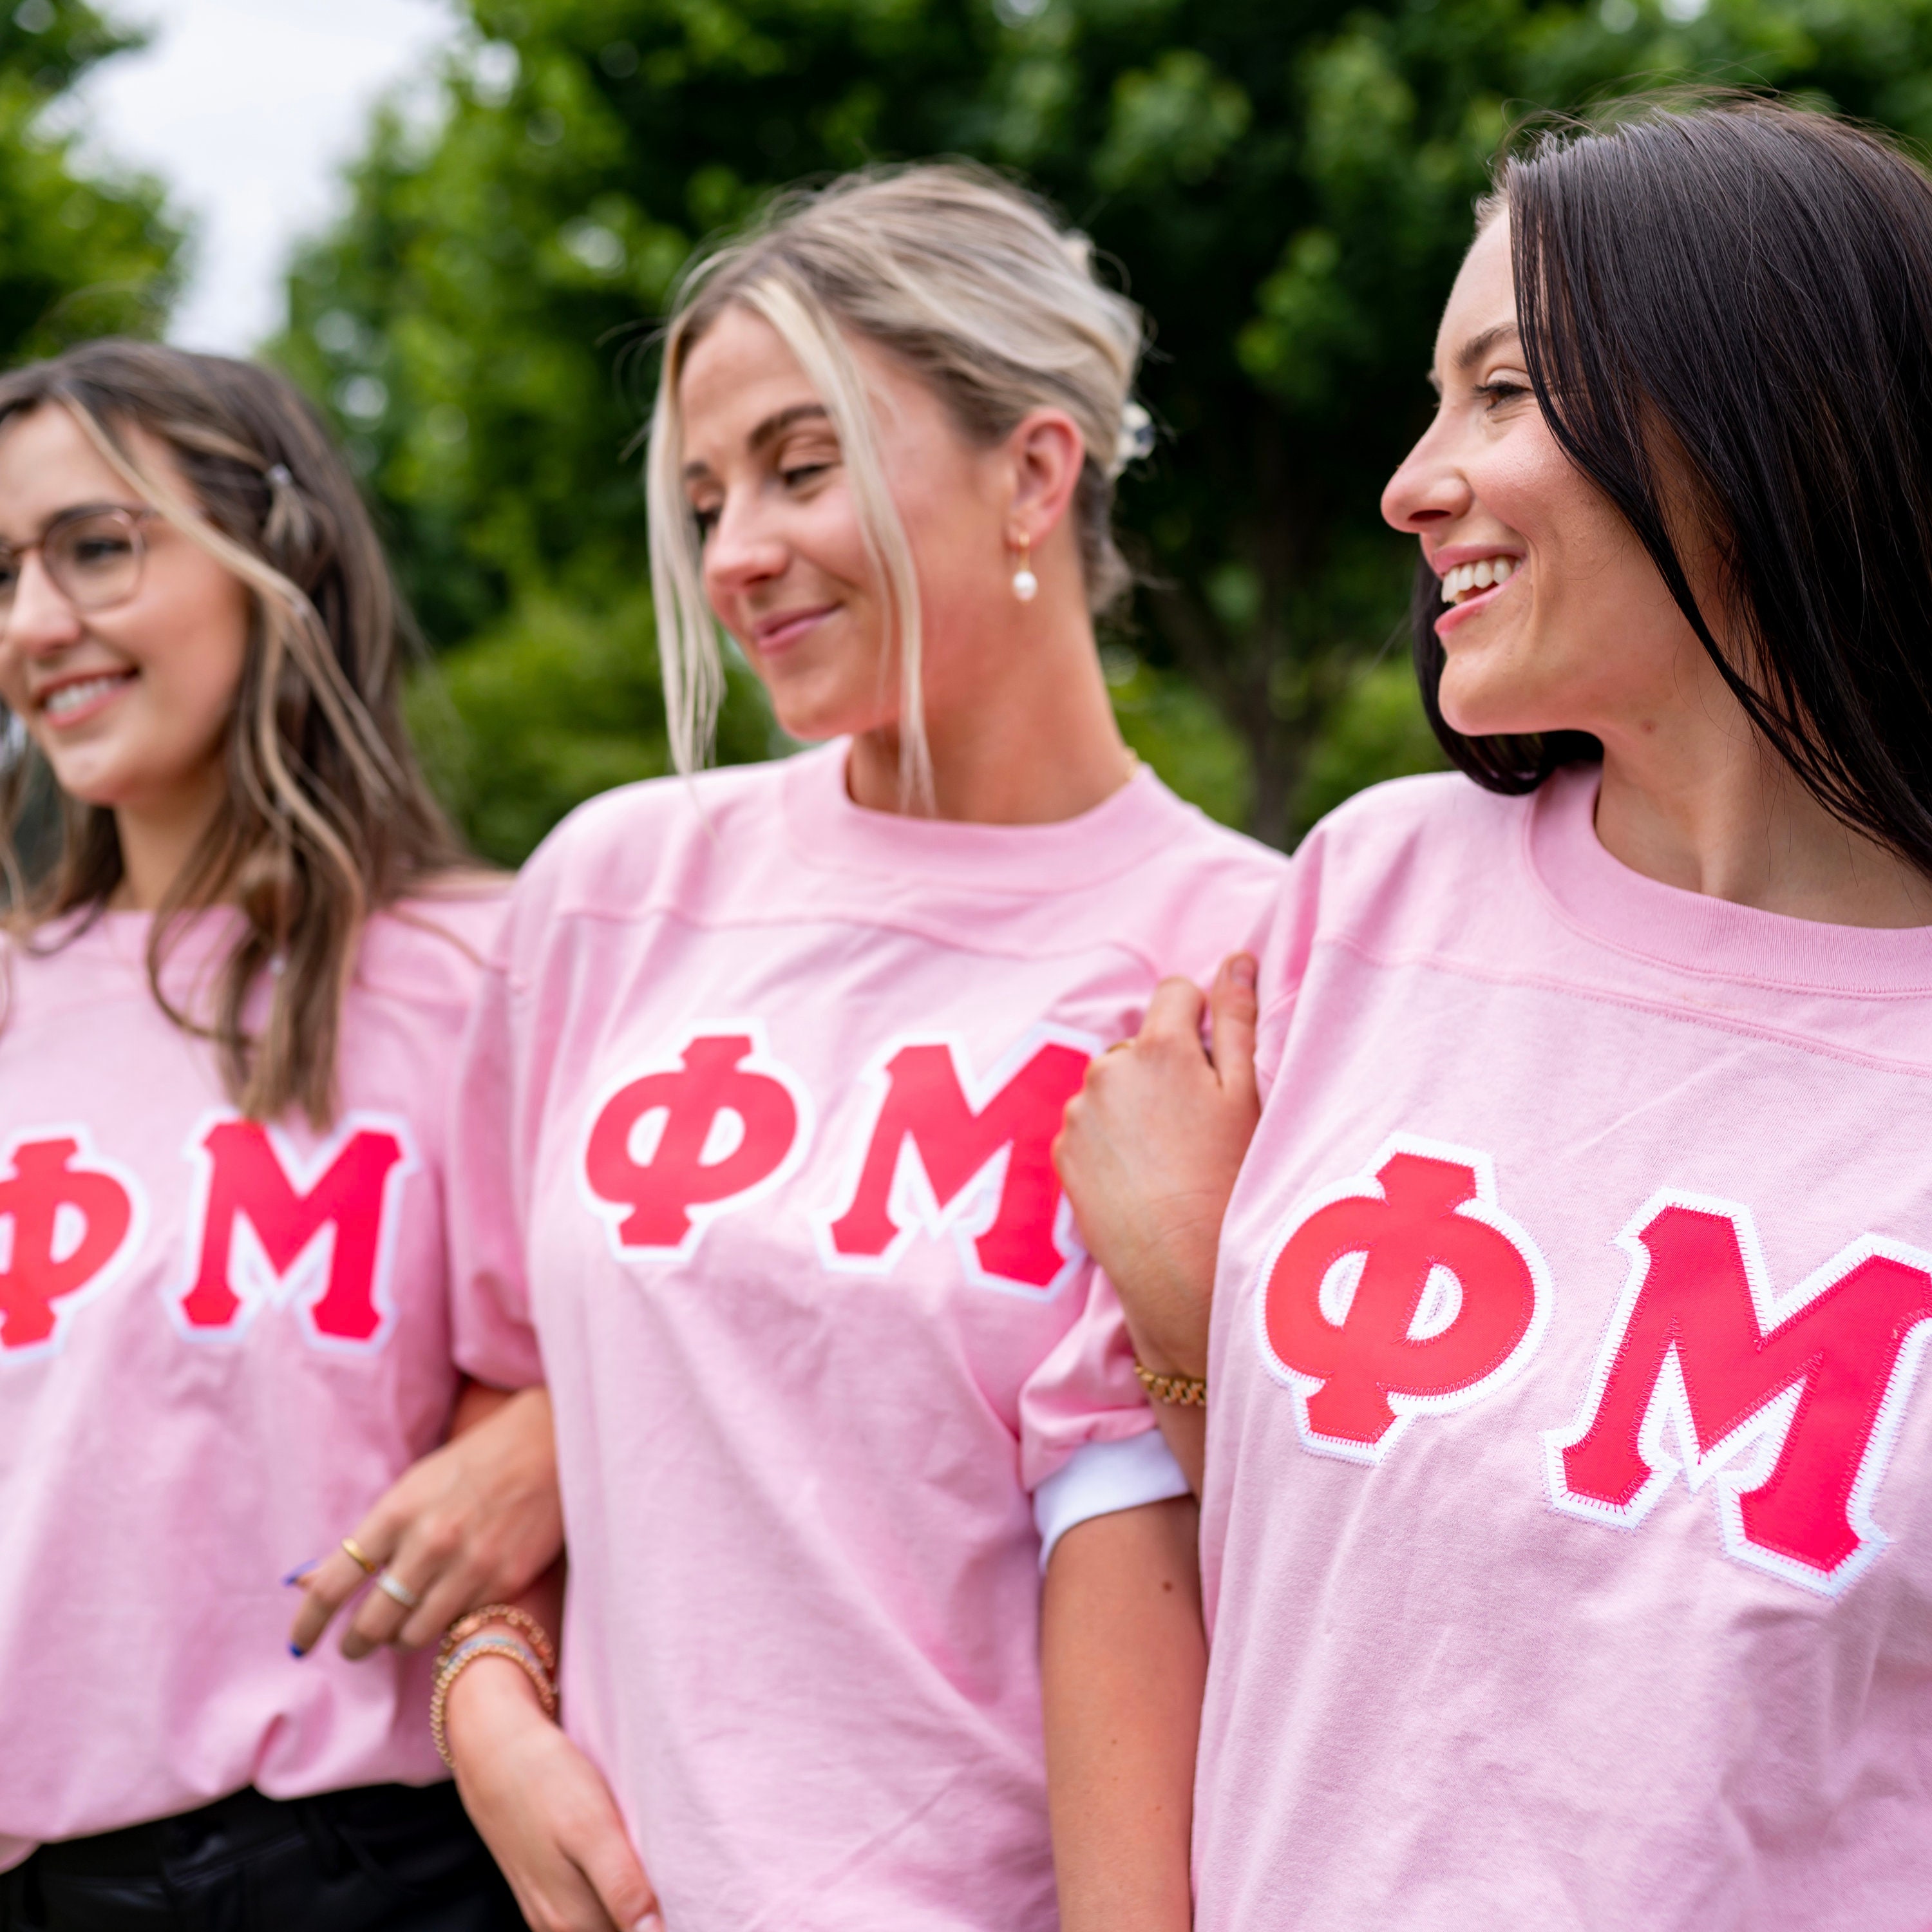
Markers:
{"x": 950, "y": 1153}
{"x": 1400, "y": 1293}
{"x": 670, "y": 1150}
{"x": 1796, "y": 1400}
{"x": 321, "y": 1230}
{"x": 67, "y": 1219}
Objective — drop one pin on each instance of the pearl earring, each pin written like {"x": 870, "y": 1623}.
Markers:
{"x": 1025, "y": 584}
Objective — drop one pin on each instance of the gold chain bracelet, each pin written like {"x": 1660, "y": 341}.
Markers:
{"x": 1182, "y": 1391}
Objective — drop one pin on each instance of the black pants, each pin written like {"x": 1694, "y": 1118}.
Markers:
{"x": 385, "y": 1858}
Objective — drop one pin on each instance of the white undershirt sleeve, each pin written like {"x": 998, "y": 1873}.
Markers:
{"x": 1100, "y": 1477}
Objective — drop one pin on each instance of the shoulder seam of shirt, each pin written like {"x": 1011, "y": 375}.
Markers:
{"x": 1633, "y": 1002}
{"x": 656, "y": 909}
{"x": 455, "y": 1001}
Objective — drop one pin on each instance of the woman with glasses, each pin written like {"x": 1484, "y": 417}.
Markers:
{"x": 239, "y": 944}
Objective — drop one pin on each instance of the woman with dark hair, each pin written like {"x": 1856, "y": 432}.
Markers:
{"x": 1567, "y": 1515}
{"x": 237, "y": 942}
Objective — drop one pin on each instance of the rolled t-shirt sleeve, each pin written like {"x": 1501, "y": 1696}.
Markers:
{"x": 1103, "y": 1477}
{"x": 1088, "y": 1444}
{"x": 493, "y": 1337}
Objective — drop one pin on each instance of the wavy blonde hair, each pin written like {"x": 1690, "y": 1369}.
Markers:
{"x": 327, "y": 817}
{"x": 978, "y": 290}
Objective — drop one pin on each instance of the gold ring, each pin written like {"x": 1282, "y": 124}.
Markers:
{"x": 1119, "y": 1046}
{"x": 354, "y": 1551}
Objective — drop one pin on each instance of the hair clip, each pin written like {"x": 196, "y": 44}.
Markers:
{"x": 279, "y": 476}
{"x": 1136, "y": 437}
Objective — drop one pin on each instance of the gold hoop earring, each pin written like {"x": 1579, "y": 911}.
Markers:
{"x": 1025, "y": 584}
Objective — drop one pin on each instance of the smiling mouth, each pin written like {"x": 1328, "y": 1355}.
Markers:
{"x": 66, "y": 700}
{"x": 775, "y": 633}
{"x": 1470, "y": 580}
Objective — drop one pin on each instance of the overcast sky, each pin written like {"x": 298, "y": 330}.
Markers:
{"x": 247, "y": 109}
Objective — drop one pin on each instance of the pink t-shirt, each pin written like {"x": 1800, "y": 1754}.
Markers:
{"x": 760, "y": 1108}
{"x": 1568, "y": 1529}
{"x": 219, "y": 1344}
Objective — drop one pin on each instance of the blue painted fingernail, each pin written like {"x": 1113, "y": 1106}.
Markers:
{"x": 295, "y": 1576}
{"x": 296, "y": 1651}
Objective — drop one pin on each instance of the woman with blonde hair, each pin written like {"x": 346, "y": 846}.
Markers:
{"x": 756, "y": 1127}
{"x": 239, "y": 942}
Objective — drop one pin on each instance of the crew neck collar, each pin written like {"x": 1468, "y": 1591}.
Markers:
{"x": 1694, "y": 932}
{"x": 120, "y": 925}
{"x": 826, "y": 829}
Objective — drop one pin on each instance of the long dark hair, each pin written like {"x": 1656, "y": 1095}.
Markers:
{"x": 1730, "y": 306}
{"x": 327, "y": 817}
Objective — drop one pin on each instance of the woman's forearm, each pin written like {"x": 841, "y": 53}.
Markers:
{"x": 1185, "y": 1429}
{"x": 1123, "y": 1661}
{"x": 1182, "y": 1424}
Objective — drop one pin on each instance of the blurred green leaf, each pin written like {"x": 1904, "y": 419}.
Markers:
{"x": 552, "y": 705}
{"x": 83, "y": 253}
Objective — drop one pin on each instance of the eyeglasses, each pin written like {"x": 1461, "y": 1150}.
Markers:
{"x": 94, "y": 557}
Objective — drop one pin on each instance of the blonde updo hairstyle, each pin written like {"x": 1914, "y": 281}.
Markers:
{"x": 976, "y": 288}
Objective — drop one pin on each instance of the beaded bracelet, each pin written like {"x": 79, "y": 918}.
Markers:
{"x": 1184, "y": 1391}
{"x": 534, "y": 1633}
{"x": 460, "y": 1659}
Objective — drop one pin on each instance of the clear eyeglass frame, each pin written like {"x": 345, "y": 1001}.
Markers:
{"x": 93, "y": 556}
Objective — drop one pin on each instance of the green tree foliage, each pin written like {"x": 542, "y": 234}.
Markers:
{"x": 1286, "y": 186}
{"x": 79, "y": 255}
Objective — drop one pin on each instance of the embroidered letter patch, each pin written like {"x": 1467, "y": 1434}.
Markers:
{"x": 1701, "y": 1356}
{"x": 1402, "y": 1293}
{"x": 946, "y": 1152}
{"x": 271, "y": 1226}
{"x": 66, "y": 1219}
{"x": 670, "y": 1150}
